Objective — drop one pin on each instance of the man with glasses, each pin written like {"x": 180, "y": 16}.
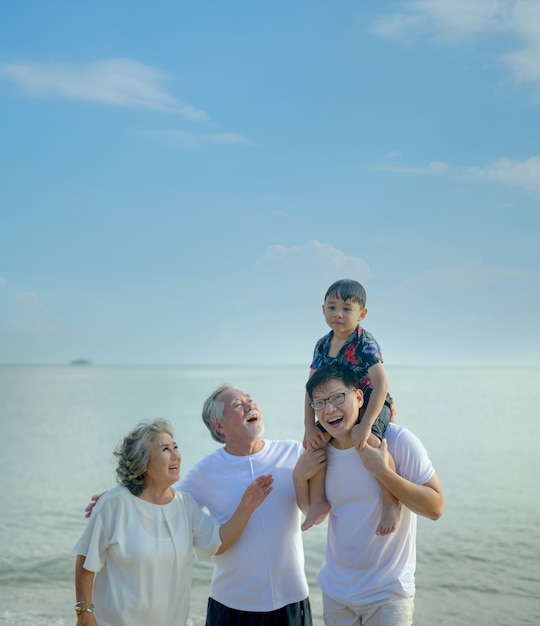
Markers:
{"x": 366, "y": 579}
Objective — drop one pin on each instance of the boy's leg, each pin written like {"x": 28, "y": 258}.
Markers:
{"x": 390, "y": 505}
{"x": 319, "y": 507}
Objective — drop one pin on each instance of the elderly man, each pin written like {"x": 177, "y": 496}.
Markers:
{"x": 366, "y": 579}
{"x": 260, "y": 581}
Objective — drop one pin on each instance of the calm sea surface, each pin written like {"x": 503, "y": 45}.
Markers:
{"x": 479, "y": 564}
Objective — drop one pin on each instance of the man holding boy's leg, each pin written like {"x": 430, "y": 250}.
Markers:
{"x": 366, "y": 579}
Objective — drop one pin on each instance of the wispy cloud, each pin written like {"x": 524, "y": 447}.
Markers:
{"x": 324, "y": 255}
{"x": 194, "y": 140}
{"x": 525, "y": 174}
{"x": 118, "y": 82}
{"x": 451, "y": 21}
{"x": 522, "y": 173}
{"x": 30, "y": 300}
{"x": 435, "y": 167}
{"x": 448, "y": 20}
{"x": 3, "y": 281}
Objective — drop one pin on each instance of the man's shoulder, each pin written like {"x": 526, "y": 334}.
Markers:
{"x": 396, "y": 432}
{"x": 282, "y": 449}
{"x": 403, "y": 442}
{"x": 211, "y": 458}
{"x": 283, "y": 444}
{"x": 410, "y": 455}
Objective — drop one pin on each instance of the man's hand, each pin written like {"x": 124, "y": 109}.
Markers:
{"x": 92, "y": 504}
{"x": 376, "y": 459}
{"x": 360, "y": 434}
{"x": 309, "y": 464}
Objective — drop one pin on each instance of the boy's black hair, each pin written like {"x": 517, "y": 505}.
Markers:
{"x": 334, "y": 371}
{"x": 347, "y": 289}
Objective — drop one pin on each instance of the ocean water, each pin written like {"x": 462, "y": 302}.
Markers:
{"x": 479, "y": 564}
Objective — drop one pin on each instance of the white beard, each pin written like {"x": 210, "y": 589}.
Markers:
{"x": 256, "y": 429}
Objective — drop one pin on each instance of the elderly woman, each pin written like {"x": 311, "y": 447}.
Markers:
{"x": 135, "y": 557}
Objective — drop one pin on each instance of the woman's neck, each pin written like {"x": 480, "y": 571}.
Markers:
{"x": 157, "y": 495}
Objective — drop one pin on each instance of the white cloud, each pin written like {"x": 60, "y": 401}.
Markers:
{"x": 451, "y": 21}
{"x": 32, "y": 303}
{"x": 320, "y": 257}
{"x": 119, "y": 82}
{"x": 523, "y": 173}
{"x": 192, "y": 140}
{"x": 3, "y": 281}
{"x": 435, "y": 167}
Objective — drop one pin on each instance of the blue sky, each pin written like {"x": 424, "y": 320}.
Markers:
{"x": 182, "y": 181}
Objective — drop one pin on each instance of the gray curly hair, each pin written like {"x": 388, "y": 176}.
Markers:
{"x": 134, "y": 451}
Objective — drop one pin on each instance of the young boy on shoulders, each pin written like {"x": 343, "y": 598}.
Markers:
{"x": 349, "y": 344}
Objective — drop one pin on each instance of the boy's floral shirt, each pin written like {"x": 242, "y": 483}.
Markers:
{"x": 360, "y": 352}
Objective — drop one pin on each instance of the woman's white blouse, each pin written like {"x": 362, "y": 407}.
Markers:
{"x": 142, "y": 554}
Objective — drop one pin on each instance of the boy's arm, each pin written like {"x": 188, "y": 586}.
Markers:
{"x": 379, "y": 382}
{"x": 426, "y": 499}
{"x": 306, "y": 467}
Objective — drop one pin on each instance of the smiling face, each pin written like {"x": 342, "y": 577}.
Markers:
{"x": 342, "y": 315}
{"x": 242, "y": 422}
{"x": 338, "y": 419}
{"x": 164, "y": 459}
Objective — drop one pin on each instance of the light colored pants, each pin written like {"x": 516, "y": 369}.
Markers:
{"x": 396, "y": 611}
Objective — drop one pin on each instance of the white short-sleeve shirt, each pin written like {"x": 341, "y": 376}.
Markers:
{"x": 264, "y": 569}
{"x": 361, "y": 567}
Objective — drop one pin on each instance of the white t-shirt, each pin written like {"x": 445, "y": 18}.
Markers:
{"x": 361, "y": 567}
{"x": 142, "y": 554}
{"x": 264, "y": 569}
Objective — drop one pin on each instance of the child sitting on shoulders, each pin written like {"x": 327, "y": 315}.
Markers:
{"x": 349, "y": 344}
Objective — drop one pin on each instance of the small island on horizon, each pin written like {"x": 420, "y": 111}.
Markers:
{"x": 81, "y": 362}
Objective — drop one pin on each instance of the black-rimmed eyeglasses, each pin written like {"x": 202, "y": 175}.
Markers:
{"x": 335, "y": 400}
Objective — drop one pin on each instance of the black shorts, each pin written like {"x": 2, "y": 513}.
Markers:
{"x": 295, "y": 614}
{"x": 380, "y": 424}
